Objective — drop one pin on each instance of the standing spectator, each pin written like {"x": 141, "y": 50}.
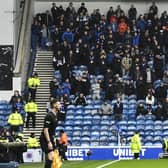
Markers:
{"x": 129, "y": 88}
{"x": 33, "y": 84}
{"x": 68, "y": 36}
{"x": 161, "y": 92}
{"x": 54, "y": 11}
{"x": 132, "y": 12}
{"x": 70, "y": 12}
{"x": 48, "y": 104}
{"x": 140, "y": 88}
{"x": 135, "y": 39}
{"x": 154, "y": 8}
{"x": 14, "y": 99}
{"x": 95, "y": 88}
{"x": 63, "y": 143}
{"x": 106, "y": 109}
{"x": 31, "y": 110}
{"x": 110, "y": 13}
{"x": 53, "y": 87}
{"x": 82, "y": 9}
{"x": 80, "y": 100}
{"x": 15, "y": 121}
{"x": 126, "y": 65}
{"x": 35, "y": 33}
{"x": 110, "y": 90}
{"x": 44, "y": 37}
{"x": 136, "y": 145}
{"x": 165, "y": 110}
{"x": 118, "y": 110}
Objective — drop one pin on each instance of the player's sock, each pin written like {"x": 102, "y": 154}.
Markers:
{"x": 48, "y": 164}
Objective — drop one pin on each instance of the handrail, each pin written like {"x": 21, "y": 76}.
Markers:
{"x": 22, "y": 39}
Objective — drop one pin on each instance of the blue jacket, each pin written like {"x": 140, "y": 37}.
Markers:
{"x": 68, "y": 36}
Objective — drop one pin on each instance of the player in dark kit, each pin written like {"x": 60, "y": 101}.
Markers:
{"x": 47, "y": 138}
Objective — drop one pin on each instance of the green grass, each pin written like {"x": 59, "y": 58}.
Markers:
{"x": 163, "y": 163}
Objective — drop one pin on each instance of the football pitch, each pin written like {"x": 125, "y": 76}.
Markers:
{"x": 162, "y": 163}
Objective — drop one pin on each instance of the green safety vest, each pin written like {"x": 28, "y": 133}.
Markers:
{"x": 166, "y": 144}
{"x": 33, "y": 82}
{"x": 32, "y": 142}
{"x": 15, "y": 119}
{"x": 31, "y": 107}
{"x": 135, "y": 144}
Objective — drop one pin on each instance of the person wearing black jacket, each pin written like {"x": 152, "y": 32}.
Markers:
{"x": 48, "y": 134}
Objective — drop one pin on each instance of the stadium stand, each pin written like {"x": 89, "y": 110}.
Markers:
{"x": 108, "y": 56}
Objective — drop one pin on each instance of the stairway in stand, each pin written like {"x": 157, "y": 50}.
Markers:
{"x": 43, "y": 66}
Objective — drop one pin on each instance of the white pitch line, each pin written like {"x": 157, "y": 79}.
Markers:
{"x": 107, "y": 164}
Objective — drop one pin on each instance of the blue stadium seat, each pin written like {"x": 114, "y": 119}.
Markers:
{"x": 86, "y": 127}
{"x": 78, "y": 122}
{"x": 87, "y": 122}
{"x": 76, "y": 133}
{"x": 68, "y": 128}
{"x": 69, "y": 122}
{"x": 85, "y": 133}
{"x": 105, "y": 122}
{"x": 104, "y": 127}
{"x": 78, "y": 128}
{"x": 95, "y": 128}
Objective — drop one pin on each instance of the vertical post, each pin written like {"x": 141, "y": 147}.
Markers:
{"x": 119, "y": 145}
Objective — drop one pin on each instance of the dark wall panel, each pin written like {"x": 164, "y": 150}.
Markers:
{"x": 6, "y": 69}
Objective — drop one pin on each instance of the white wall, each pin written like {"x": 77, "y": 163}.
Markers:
{"x": 142, "y": 7}
{"x": 6, "y": 18}
{"x": 6, "y": 95}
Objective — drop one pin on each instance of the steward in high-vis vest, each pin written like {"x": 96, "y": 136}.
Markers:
{"x": 15, "y": 120}
{"x": 136, "y": 145}
{"x": 32, "y": 142}
{"x": 165, "y": 145}
{"x": 33, "y": 84}
{"x": 31, "y": 110}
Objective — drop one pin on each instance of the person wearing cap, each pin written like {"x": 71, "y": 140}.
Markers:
{"x": 136, "y": 145}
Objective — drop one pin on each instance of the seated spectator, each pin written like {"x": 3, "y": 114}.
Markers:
{"x": 66, "y": 87}
{"x": 140, "y": 110}
{"x": 150, "y": 100}
{"x": 118, "y": 110}
{"x": 161, "y": 92}
{"x": 109, "y": 92}
{"x": 129, "y": 88}
{"x": 80, "y": 100}
{"x": 106, "y": 109}
{"x": 158, "y": 112}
